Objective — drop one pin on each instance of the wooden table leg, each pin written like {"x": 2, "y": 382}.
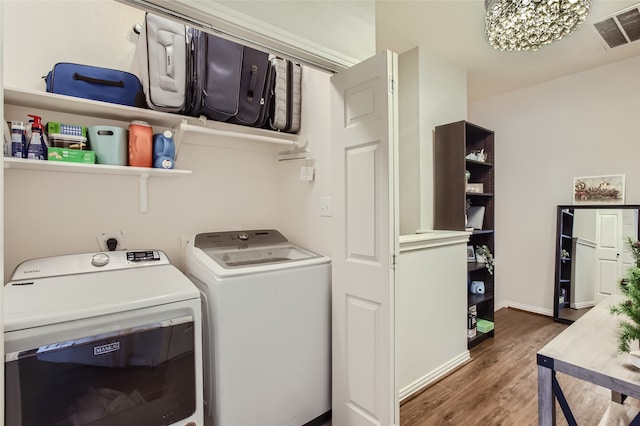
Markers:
{"x": 546, "y": 403}
{"x": 618, "y": 397}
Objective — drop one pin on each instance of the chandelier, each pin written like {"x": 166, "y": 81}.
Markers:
{"x": 529, "y": 24}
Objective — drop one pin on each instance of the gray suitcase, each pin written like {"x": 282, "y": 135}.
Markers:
{"x": 163, "y": 57}
{"x": 286, "y": 100}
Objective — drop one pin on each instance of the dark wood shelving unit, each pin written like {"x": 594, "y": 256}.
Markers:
{"x": 565, "y": 243}
{"x": 453, "y": 142}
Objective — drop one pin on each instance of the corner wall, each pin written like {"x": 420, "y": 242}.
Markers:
{"x": 586, "y": 124}
{"x": 431, "y": 93}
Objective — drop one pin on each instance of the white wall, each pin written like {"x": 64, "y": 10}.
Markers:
{"x": 409, "y": 141}
{"x": 583, "y": 277}
{"x": 443, "y": 99}
{"x": 584, "y": 224}
{"x": 431, "y": 337}
{"x": 352, "y": 31}
{"x": 57, "y": 213}
{"x": 432, "y": 92}
{"x": 585, "y": 124}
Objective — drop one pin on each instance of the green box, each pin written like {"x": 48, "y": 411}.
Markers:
{"x": 72, "y": 155}
{"x": 66, "y": 129}
{"x": 484, "y": 325}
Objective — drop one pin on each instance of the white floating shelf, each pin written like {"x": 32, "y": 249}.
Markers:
{"x": 100, "y": 169}
{"x": 85, "y": 107}
{"x": 255, "y": 139}
{"x": 143, "y": 173}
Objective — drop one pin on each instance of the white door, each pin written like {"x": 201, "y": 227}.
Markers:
{"x": 609, "y": 246}
{"x": 365, "y": 235}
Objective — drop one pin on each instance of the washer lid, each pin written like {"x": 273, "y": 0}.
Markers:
{"x": 234, "y": 253}
{"x": 239, "y": 239}
{"x": 230, "y": 258}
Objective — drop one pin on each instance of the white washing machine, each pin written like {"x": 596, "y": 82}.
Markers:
{"x": 267, "y": 328}
{"x": 103, "y": 339}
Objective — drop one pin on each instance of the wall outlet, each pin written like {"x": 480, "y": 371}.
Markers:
{"x": 116, "y": 235}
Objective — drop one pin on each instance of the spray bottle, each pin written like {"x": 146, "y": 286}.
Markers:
{"x": 37, "y": 148}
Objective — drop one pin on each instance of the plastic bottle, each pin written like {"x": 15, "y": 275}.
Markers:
{"x": 164, "y": 150}
{"x": 18, "y": 139}
{"x": 37, "y": 148}
{"x": 140, "y": 144}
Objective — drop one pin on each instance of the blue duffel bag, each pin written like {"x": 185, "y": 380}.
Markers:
{"x": 98, "y": 84}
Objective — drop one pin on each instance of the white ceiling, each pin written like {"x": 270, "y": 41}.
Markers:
{"x": 454, "y": 31}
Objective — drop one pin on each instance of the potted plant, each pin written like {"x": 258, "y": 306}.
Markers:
{"x": 483, "y": 255}
{"x": 629, "y": 330}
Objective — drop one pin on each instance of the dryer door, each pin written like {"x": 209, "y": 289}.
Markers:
{"x": 138, "y": 375}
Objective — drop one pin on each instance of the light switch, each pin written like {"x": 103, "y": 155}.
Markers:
{"x": 325, "y": 206}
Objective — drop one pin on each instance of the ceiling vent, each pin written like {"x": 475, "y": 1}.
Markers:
{"x": 620, "y": 28}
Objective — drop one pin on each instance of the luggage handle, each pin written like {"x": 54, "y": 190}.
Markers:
{"x": 81, "y": 77}
{"x": 254, "y": 82}
{"x": 169, "y": 60}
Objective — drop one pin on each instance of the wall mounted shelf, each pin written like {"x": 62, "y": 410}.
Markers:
{"x": 230, "y": 134}
{"x": 143, "y": 173}
{"x": 181, "y": 124}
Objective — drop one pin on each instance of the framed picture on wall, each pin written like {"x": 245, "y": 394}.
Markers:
{"x": 608, "y": 189}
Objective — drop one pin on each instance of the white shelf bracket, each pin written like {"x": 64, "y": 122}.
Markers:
{"x": 178, "y": 134}
{"x": 144, "y": 192}
{"x": 297, "y": 153}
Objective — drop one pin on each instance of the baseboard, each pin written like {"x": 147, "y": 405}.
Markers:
{"x": 582, "y": 305}
{"x": 434, "y": 375}
{"x": 528, "y": 308}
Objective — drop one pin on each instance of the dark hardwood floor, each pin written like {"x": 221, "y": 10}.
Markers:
{"x": 572, "y": 314}
{"x": 499, "y": 385}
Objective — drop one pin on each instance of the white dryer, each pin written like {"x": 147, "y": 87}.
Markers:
{"x": 103, "y": 339}
{"x": 267, "y": 328}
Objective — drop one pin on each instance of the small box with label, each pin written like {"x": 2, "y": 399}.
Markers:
{"x": 476, "y": 188}
{"x": 71, "y": 155}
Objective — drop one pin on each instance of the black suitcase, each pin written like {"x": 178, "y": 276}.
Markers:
{"x": 255, "y": 89}
{"x": 217, "y": 65}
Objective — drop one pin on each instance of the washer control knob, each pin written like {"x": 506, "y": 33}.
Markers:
{"x": 243, "y": 237}
{"x": 100, "y": 259}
